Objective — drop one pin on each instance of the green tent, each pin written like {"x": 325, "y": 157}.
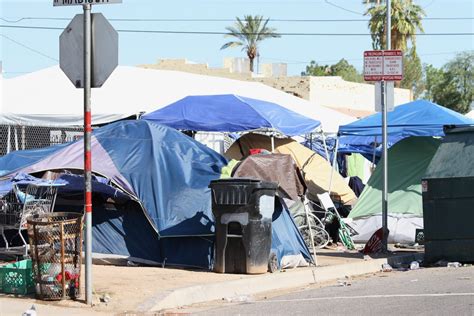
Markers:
{"x": 407, "y": 163}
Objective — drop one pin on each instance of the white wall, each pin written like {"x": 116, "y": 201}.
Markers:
{"x": 338, "y": 93}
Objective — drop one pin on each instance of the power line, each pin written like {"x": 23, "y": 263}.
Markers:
{"x": 342, "y": 8}
{"x": 295, "y": 62}
{"x": 28, "y": 47}
{"x": 227, "y": 33}
{"x": 220, "y": 20}
{"x": 429, "y": 4}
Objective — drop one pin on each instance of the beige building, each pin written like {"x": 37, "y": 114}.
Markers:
{"x": 352, "y": 98}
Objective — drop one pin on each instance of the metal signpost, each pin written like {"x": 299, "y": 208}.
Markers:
{"x": 77, "y": 55}
{"x": 384, "y": 135}
{"x": 385, "y": 66}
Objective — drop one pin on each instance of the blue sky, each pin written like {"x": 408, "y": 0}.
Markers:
{"x": 297, "y": 51}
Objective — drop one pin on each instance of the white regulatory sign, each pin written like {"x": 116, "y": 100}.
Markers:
{"x": 383, "y": 65}
{"x": 373, "y": 65}
{"x": 58, "y": 3}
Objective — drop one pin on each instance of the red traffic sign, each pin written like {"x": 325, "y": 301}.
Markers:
{"x": 383, "y": 65}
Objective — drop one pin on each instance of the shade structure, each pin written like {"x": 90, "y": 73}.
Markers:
{"x": 417, "y": 118}
{"x": 47, "y": 97}
{"x": 231, "y": 113}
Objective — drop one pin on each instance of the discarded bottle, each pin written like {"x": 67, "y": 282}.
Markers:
{"x": 30, "y": 312}
{"x": 454, "y": 265}
{"x": 386, "y": 267}
{"x": 414, "y": 265}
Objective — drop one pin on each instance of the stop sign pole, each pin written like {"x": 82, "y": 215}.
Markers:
{"x": 69, "y": 46}
{"x": 87, "y": 150}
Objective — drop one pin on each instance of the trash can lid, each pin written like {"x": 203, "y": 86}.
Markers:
{"x": 244, "y": 181}
{"x": 237, "y": 180}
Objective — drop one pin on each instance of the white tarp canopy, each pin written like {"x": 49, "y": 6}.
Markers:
{"x": 47, "y": 97}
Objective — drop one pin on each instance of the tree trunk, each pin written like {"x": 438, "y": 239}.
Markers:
{"x": 251, "y": 64}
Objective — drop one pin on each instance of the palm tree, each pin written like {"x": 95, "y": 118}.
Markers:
{"x": 249, "y": 32}
{"x": 406, "y": 20}
{"x": 372, "y": 2}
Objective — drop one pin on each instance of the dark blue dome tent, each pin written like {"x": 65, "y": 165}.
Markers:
{"x": 158, "y": 178}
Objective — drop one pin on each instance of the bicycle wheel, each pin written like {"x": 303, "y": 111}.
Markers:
{"x": 320, "y": 235}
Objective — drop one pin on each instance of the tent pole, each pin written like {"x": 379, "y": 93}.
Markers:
{"x": 9, "y": 139}
{"x": 334, "y": 162}
{"x": 23, "y": 138}
{"x": 325, "y": 146}
{"x": 373, "y": 154}
{"x": 16, "y": 138}
{"x": 310, "y": 231}
{"x": 273, "y": 144}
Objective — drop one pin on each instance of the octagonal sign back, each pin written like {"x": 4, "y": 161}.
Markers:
{"x": 104, "y": 50}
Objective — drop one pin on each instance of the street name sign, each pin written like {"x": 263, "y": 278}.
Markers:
{"x": 104, "y": 50}
{"x": 384, "y": 65}
{"x": 58, "y": 3}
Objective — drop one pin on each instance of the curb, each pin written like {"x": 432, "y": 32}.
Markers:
{"x": 268, "y": 282}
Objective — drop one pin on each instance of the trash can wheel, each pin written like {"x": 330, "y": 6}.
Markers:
{"x": 272, "y": 263}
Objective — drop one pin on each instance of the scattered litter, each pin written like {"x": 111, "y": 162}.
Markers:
{"x": 409, "y": 246}
{"x": 239, "y": 299}
{"x": 454, "y": 265}
{"x": 344, "y": 283}
{"x": 414, "y": 265}
{"x": 467, "y": 265}
{"x": 105, "y": 298}
{"x": 414, "y": 280}
{"x": 386, "y": 267}
{"x": 441, "y": 263}
{"x": 131, "y": 264}
{"x": 30, "y": 312}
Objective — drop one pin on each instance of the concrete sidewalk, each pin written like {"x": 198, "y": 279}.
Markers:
{"x": 151, "y": 289}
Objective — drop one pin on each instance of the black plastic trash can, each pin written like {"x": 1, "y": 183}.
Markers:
{"x": 243, "y": 210}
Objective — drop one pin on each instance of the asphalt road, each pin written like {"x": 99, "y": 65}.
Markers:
{"x": 431, "y": 291}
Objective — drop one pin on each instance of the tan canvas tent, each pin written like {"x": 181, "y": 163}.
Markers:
{"x": 316, "y": 170}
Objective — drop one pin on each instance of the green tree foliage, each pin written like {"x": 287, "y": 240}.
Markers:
{"x": 249, "y": 32}
{"x": 406, "y": 20}
{"x": 412, "y": 73}
{"x": 342, "y": 68}
{"x": 453, "y": 85}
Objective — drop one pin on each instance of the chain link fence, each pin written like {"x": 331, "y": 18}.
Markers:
{"x": 21, "y": 137}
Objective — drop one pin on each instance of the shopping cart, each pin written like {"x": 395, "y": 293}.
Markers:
{"x": 17, "y": 205}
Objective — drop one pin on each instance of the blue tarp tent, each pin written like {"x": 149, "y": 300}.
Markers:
{"x": 231, "y": 113}
{"x": 417, "y": 118}
{"x": 164, "y": 171}
{"x": 158, "y": 179}
{"x": 286, "y": 238}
